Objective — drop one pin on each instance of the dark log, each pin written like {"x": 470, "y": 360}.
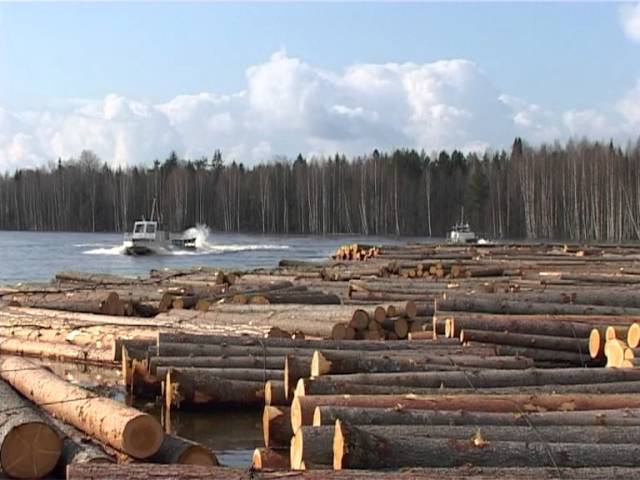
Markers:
{"x": 274, "y": 393}
{"x": 485, "y": 378}
{"x": 327, "y": 415}
{"x": 355, "y": 448}
{"x": 183, "y": 388}
{"x": 312, "y": 447}
{"x": 248, "y": 362}
{"x": 176, "y": 449}
{"x": 302, "y": 408}
{"x": 515, "y": 307}
{"x": 269, "y": 459}
{"x": 328, "y": 362}
{"x": 548, "y": 342}
{"x": 276, "y": 426}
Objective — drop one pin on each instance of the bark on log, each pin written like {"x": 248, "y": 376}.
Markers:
{"x": 29, "y": 446}
{"x": 561, "y": 325}
{"x": 485, "y": 378}
{"x": 548, "y": 342}
{"x": 249, "y": 362}
{"x": 269, "y": 459}
{"x": 302, "y": 408}
{"x": 327, "y": 415}
{"x": 355, "y": 448}
{"x": 274, "y": 393}
{"x": 60, "y": 351}
{"x": 296, "y": 367}
{"x": 515, "y": 307}
{"x": 509, "y": 433}
{"x": 132, "y": 345}
{"x": 107, "y": 303}
{"x": 176, "y": 449}
{"x": 124, "y": 428}
{"x": 327, "y": 362}
{"x": 312, "y": 447}
{"x": 276, "y": 426}
{"x": 185, "y": 388}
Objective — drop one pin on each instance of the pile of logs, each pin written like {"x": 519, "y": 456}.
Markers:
{"x": 422, "y": 356}
{"x": 48, "y": 424}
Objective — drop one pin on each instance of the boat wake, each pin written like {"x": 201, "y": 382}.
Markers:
{"x": 203, "y": 246}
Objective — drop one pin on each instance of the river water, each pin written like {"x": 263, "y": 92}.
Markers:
{"x": 30, "y": 256}
{"x": 37, "y": 256}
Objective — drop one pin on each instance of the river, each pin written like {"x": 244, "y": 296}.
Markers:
{"x": 31, "y": 256}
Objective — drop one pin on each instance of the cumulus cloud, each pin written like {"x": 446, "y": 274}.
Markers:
{"x": 289, "y": 106}
{"x": 630, "y": 18}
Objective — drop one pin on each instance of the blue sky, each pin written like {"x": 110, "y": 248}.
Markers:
{"x": 561, "y": 61}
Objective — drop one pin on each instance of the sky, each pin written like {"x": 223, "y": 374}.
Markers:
{"x": 133, "y": 81}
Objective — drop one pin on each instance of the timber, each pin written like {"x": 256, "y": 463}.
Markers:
{"x": 276, "y": 426}
{"x": 124, "y": 428}
{"x": 29, "y": 446}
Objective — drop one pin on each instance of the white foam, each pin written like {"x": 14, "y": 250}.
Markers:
{"x": 203, "y": 246}
{"x": 117, "y": 250}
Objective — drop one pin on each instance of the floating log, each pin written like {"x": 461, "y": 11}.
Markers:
{"x": 176, "y": 449}
{"x": 124, "y": 428}
{"x": 184, "y": 388}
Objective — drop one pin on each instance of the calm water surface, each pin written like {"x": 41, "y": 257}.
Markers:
{"x": 30, "y": 256}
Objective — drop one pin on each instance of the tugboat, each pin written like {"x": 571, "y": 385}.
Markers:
{"x": 461, "y": 232}
{"x": 147, "y": 238}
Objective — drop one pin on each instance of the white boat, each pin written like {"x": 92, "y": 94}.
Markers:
{"x": 462, "y": 233}
{"x": 148, "y": 237}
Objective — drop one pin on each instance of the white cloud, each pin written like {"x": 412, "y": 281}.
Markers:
{"x": 289, "y": 106}
{"x": 630, "y": 18}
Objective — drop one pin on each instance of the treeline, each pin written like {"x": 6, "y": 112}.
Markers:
{"x": 581, "y": 190}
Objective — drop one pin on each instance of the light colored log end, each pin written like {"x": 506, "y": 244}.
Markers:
{"x": 30, "y": 450}
{"x": 142, "y": 436}
{"x": 319, "y": 364}
{"x": 338, "y": 446}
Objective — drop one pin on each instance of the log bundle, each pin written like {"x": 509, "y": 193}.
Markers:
{"x": 384, "y": 357}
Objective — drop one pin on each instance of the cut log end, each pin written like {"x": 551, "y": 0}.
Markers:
{"x": 297, "y": 449}
{"x": 338, "y": 446}
{"x": 142, "y": 436}
{"x": 31, "y": 450}
{"x": 319, "y": 364}
{"x": 596, "y": 344}
{"x": 379, "y": 314}
{"x": 633, "y": 335}
{"x": 265, "y": 458}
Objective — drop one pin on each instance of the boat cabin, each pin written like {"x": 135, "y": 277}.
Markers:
{"x": 145, "y": 230}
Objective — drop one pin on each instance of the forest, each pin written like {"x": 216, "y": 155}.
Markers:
{"x": 581, "y": 190}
